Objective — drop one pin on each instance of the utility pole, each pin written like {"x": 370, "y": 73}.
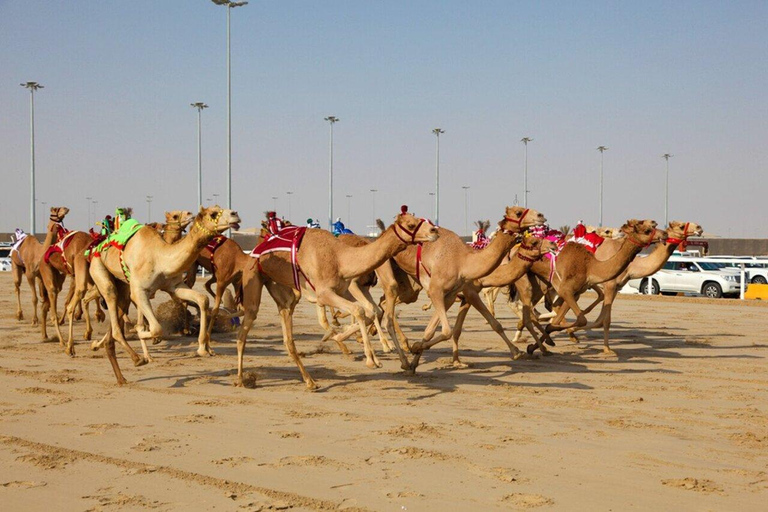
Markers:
{"x": 466, "y": 210}
{"x": 331, "y": 120}
{"x": 525, "y": 140}
{"x": 666, "y": 156}
{"x": 437, "y": 132}
{"x": 32, "y": 86}
{"x": 601, "y": 149}
{"x": 199, "y": 106}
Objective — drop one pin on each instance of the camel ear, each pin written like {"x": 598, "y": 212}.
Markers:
{"x": 201, "y": 209}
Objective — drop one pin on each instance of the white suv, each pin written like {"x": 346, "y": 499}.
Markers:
{"x": 755, "y": 268}
{"x": 5, "y": 258}
{"x": 691, "y": 275}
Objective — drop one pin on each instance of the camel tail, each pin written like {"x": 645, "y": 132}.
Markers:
{"x": 512, "y": 292}
{"x": 239, "y": 293}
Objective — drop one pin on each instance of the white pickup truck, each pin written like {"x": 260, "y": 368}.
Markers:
{"x": 691, "y": 275}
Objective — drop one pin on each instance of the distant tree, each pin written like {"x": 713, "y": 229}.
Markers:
{"x": 565, "y": 229}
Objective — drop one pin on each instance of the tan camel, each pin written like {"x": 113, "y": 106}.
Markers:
{"x": 445, "y": 266}
{"x": 523, "y": 257}
{"x": 26, "y": 259}
{"x": 325, "y": 268}
{"x": 147, "y": 264}
{"x": 640, "y": 267}
{"x": 577, "y": 269}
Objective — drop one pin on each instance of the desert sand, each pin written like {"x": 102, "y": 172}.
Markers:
{"x": 678, "y": 421}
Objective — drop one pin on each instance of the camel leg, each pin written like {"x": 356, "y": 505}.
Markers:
{"x": 387, "y": 345}
{"x": 366, "y": 301}
{"x": 476, "y": 302}
{"x": 358, "y": 313}
{"x": 252, "y": 289}
{"x": 18, "y": 272}
{"x": 438, "y": 301}
{"x": 209, "y": 285}
{"x": 203, "y": 340}
{"x": 45, "y": 307}
{"x": 79, "y": 285}
{"x": 286, "y": 300}
{"x": 70, "y": 293}
{"x": 322, "y": 319}
{"x": 220, "y": 288}
{"x": 33, "y": 289}
{"x": 569, "y": 303}
{"x": 457, "y": 327}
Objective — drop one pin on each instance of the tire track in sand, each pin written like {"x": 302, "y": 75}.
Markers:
{"x": 295, "y": 500}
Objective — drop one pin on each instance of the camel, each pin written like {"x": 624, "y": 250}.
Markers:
{"x": 322, "y": 269}
{"x": 146, "y": 264}
{"x": 522, "y": 259}
{"x": 176, "y": 222}
{"x": 640, "y": 267}
{"x": 445, "y": 266}
{"x": 576, "y": 270}
{"x": 26, "y": 258}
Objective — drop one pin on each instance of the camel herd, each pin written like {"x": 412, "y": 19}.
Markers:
{"x": 339, "y": 273}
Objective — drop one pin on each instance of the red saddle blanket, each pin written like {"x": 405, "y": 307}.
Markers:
{"x": 288, "y": 239}
{"x": 59, "y": 247}
{"x": 589, "y": 240}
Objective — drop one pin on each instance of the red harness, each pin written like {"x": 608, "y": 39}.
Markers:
{"x": 214, "y": 244}
{"x": 681, "y": 242}
{"x": 420, "y": 264}
{"x": 640, "y": 244}
{"x": 288, "y": 239}
{"x": 526, "y": 258}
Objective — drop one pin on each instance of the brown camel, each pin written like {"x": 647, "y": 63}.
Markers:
{"x": 522, "y": 259}
{"x": 577, "y": 269}
{"x": 445, "y": 266}
{"x": 26, "y": 259}
{"x": 147, "y": 264}
{"x": 325, "y": 266}
{"x": 677, "y": 234}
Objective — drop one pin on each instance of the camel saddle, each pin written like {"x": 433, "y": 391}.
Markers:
{"x": 589, "y": 240}
{"x": 60, "y": 247}
{"x": 213, "y": 245}
{"x": 118, "y": 239}
{"x": 288, "y": 239}
{"x": 553, "y": 235}
{"x": 20, "y": 237}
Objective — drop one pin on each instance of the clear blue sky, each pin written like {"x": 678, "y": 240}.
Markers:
{"x": 644, "y": 78}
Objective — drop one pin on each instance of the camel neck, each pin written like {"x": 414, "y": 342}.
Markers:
{"x": 483, "y": 262}
{"x": 509, "y": 273}
{"x": 602, "y": 271}
{"x": 53, "y": 228}
{"x": 172, "y": 234}
{"x": 179, "y": 256}
{"x": 643, "y": 267}
{"x": 357, "y": 261}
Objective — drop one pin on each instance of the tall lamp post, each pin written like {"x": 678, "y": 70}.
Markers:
{"x": 666, "y": 156}
{"x": 229, "y": 5}
{"x": 432, "y": 197}
{"x": 289, "y": 194}
{"x": 349, "y": 209}
{"x": 373, "y": 204}
{"x": 331, "y": 120}
{"x": 466, "y": 210}
{"x": 601, "y": 149}
{"x": 274, "y": 204}
{"x": 437, "y": 132}
{"x": 90, "y": 222}
{"x": 149, "y": 209}
{"x": 44, "y": 204}
{"x": 525, "y": 140}
{"x": 199, "y": 106}
{"x": 32, "y": 86}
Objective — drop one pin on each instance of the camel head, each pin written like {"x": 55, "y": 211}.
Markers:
{"x": 532, "y": 248}
{"x": 412, "y": 229}
{"x": 217, "y": 220}
{"x": 682, "y": 230}
{"x": 517, "y": 219}
{"x": 58, "y": 213}
{"x": 179, "y": 218}
{"x": 605, "y": 232}
{"x": 643, "y": 232}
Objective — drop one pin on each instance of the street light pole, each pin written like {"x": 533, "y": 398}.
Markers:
{"x": 601, "y": 149}
{"x": 331, "y": 120}
{"x": 666, "y": 156}
{"x": 349, "y": 209}
{"x": 289, "y": 194}
{"x": 149, "y": 209}
{"x": 32, "y": 86}
{"x": 90, "y": 222}
{"x": 525, "y": 140}
{"x": 373, "y": 204}
{"x": 274, "y": 204}
{"x": 229, "y": 5}
{"x": 44, "y": 203}
{"x": 437, "y": 132}
{"x": 432, "y": 197}
{"x": 199, "y": 106}
{"x": 466, "y": 210}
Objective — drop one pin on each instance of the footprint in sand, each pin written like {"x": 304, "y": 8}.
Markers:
{"x": 694, "y": 484}
{"x": 523, "y": 500}
{"x": 193, "y": 418}
{"x": 23, "y": 484}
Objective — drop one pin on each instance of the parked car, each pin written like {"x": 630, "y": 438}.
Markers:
{"x": 755, "y": 268}
{"x": 5, "y": 258}
{"x": 691, "y": 275}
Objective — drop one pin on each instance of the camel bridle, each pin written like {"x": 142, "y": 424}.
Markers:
{"x": 641, "y": 244}
{"x": 411, "y": 234}
{"x": 683, "y": 239}
{"x": 519, "y": 222}
{"x": 527, "y": 258}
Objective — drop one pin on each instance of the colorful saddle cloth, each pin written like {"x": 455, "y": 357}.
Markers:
{"x": 20, "y": 237}
{"x": 589, "y": 240}
{"x": 287, "y": 239}
{"x": 213, "y": 245}
{"x": 553, "y": 235}
{"x": 118, "y": 240}
{"x": 60, "y": 247}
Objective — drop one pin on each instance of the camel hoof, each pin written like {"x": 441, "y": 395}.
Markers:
{"x": 410, "y": 372}
{"x": 100, "y": 316}
{"x": 372, "y": 365}
{"x": 121, "y": 383}
{"x": 35, "y": 321}
{"x": 459, "y": 365}
{"x": 549, "y": 341}
{"x": 155, "y": 341}
{"x": 521, "y": 355}
{"x": 140, "y": 362}
{"x": 547, "y": 353}
{"x": 312, "y": 386}
{"x": 70, "y": 351}
{"x": 608, "y": 353}
{"x": 531, "y": 349}
{"x": 19, "y": 316}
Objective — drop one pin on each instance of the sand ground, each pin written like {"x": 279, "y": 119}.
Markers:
{"x": 678, "y": 421}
